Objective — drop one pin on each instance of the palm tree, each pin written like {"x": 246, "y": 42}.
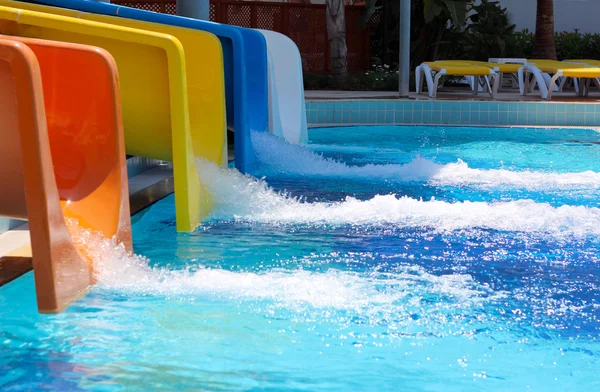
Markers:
{"x": 336, "y": 32}
{"x": 544, "y": 46}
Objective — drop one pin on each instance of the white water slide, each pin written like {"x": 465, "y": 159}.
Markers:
{"x": 287, "y": 109}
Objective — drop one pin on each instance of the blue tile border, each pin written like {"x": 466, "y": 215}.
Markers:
{"x": 476, "y": 113}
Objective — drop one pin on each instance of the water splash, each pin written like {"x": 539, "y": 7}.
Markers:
{"x": 117, "y": 269}
{"x": 246, "y": 198}
{"x": 282, "y": 157}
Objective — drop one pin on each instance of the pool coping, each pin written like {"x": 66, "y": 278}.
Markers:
{"x": 556, "y": 127}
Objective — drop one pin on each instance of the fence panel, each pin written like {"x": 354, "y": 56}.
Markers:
{"x": 305, "y": 24}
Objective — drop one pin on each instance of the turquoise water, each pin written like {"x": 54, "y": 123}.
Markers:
{"x": 393, "y": 258}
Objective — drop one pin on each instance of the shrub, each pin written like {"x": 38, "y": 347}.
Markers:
{"x": 569, "y": 45}
{"x": 522, "y": 44}
{"x": 489, "y": 32}
{"x": 575, "y": 45}
{"x": 379, "y": 78}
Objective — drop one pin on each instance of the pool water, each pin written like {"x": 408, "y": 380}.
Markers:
{"x": 376, "y": 258}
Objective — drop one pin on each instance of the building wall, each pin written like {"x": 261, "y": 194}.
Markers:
{"x": 568, "y": 14}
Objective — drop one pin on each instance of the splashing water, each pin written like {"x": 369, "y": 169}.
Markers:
{"x": 282, "y": 157}
{"x": 117, "y": 269}
{"x": 306, "y": 296}
{"x": 245, "y": 198}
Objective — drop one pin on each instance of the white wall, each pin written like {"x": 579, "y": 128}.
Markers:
{"x": 568, "y": 14}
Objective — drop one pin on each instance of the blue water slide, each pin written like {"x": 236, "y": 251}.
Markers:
{"x": 245, "y": 59}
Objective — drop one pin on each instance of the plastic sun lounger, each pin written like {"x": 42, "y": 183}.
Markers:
{"x": 499, "y": 68}
{"x": 507, "y": 60}
{"x": 245, "y": 61}
{"x": 62, "y": 161}
{"x": 458, "y": 68}
{"x": 154, "y": 95}
{"x": 589, "y": 63}
{"x": 558, "y": 70}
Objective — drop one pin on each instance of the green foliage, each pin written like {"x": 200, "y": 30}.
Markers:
{"x": 489, "y": 32}
{"x": 440, "y": 32}
{"x": 453, "y": 10}
{"x": 521, "y": 45}
{"x": 569, "y": 45}
{"x": 379, "y": 78}
{"x": 574, "y": 45}
{"x": 365, "y": 16}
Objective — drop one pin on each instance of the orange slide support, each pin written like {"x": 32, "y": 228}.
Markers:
{"x": 63, "y": 157}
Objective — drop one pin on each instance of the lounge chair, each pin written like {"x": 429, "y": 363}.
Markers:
{"x": 500, "y": 69}
{"x": 589, "y": 63}
{"x": 582, "y": 74}
{"x": 431, "y": 72}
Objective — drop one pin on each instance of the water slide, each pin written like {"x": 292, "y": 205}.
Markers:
{"x": 175, "y": 86}
{"x": 168, "y": 113}
{"x": 245, "y": 62}
{"x": 286, "y": 89}
{"x": 64, "y": 157}
{"x": 260, "y": 66}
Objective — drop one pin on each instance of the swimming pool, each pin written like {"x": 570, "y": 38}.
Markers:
{"x": 396, "y": 258}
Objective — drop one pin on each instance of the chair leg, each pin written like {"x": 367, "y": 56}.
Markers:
{"x": 427, "y": 73}
{"x": 563, "y": 82}
{"x": 533, "y": 83}
{"x": 497, "y": 81}
{"x": 551, "y": 86}
{"x": 471, "y": 81}
{"x": 433, "y": 94}
{"x": 526, "y": 81}
{"x": 546, "y": 78}
{"x": 521, "y": 80}
{"x": 539, "y": 78}
{"x": 588, "y": 83}
{"x": 488, "y": 86}
{"x": 418, "y": 80}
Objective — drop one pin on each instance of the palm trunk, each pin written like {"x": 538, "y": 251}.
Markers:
{"x": 544, "y": 46}
{"x": 336, "y": 32}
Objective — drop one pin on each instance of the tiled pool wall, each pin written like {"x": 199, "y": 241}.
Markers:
{"x": 135, "y": 166}
{"x": 414, "y": 112}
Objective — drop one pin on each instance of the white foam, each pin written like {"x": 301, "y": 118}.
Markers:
{"x": 296, "y": 159}
{"x": 245, "y": 198}
{"x": 116, "y": 269}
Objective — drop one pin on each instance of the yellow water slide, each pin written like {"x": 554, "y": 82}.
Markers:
{"x": 168, "y": 113}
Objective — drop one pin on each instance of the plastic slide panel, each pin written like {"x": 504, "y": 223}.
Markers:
{"x": 275, "y": 125}
{"x": 154, "y": 94}
{"x": 246, "y": 79}
{"x": 205, "y": 78}
{"x": 63, "y": 158}
{"x": 286, "y": 88}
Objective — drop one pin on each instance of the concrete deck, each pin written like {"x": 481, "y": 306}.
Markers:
{"x": 443, "y": 94}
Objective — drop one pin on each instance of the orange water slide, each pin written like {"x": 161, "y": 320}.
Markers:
{"x": 62, "y": 157}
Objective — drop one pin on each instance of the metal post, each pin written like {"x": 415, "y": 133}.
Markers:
{"x": 404, "y": 60}
{"x": 385, "y": 12}
{"x": 197, "y": 9}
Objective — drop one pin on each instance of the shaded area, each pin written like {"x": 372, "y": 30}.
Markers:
{"x": 11, "y": 267}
